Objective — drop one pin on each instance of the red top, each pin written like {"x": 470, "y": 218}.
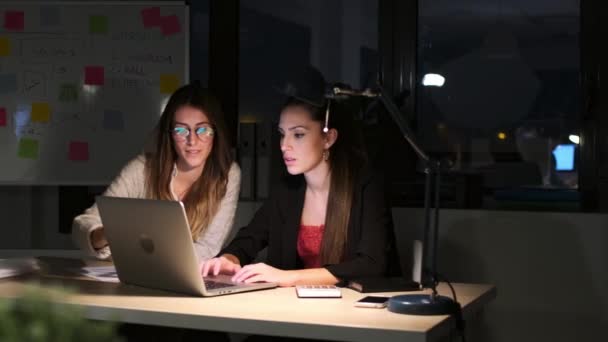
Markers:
{"x": 309, "y": 245}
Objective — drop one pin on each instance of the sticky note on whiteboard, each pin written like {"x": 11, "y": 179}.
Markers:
{"x": 28, "y": 148}
{"x": 151, "y": 17}
{"x": 68, "y": 92}
{"x": 8, "y": 83}
{"x": 41, "y": 112}
{"x": 5, "y": 46}
{"x": 78, "y": 151}
{"x": 3, "y": 117}
{"x": 168, "y": 83}
{"x": 94, "y": 75}
{"x": 14, "y": 20}
{"x": 170, "y": 25}
{"x": 98, "y": 24}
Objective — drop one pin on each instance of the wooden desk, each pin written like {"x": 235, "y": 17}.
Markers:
{"x": 268, "y": 312}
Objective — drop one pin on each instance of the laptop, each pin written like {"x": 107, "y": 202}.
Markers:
{"x": 152, "y": 247}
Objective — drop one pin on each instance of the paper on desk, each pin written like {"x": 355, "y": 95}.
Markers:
{"x": 101, "y": 273}
{"x": 16, "y": 266}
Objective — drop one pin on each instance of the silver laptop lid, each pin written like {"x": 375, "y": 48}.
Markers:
{"x": 151, "y": 243}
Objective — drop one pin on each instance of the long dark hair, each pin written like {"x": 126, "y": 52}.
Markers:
{"x": 346, "y": 157}
{"x": 203, "y": 200}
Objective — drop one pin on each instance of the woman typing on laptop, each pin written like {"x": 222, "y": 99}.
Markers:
{"x": 190, "y": 162}
{"x": 327, "y": 221}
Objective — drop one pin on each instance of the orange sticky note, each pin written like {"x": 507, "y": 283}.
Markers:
{"x": 5, "y": 46}
{"x": 168, "y": 83}
{"x": 41, "y": 112}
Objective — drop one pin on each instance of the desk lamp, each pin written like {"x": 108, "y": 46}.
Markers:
{"x": 416, "y": 304}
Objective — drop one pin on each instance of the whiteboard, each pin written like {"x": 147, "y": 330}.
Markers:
{"x": 83, "y": 84}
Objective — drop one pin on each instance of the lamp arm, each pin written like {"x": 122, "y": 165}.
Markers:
{"x": 405, "y": 129}
{"x": 432, "y": 184}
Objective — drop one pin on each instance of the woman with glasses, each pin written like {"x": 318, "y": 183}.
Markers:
{"x": 189, "y": 162}
{"x": 328, "y": 221}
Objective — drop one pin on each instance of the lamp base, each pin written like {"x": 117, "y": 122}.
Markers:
{"x": 422, "y": 304}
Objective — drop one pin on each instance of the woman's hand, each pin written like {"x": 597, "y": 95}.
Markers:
{"x": 262, "y": 272}
{"x": 225, "y": 264}
{"x": 98, "y": 238}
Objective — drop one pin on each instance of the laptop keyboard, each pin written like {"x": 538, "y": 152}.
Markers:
{"x": 212, "y": 284}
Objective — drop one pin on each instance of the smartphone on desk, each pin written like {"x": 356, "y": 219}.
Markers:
{"x": 377, "y": 302}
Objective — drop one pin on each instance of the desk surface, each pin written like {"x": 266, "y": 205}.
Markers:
{"x": 269, "y": 312}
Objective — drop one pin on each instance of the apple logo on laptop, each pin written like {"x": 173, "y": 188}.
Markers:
{"x": 146, "y": 244}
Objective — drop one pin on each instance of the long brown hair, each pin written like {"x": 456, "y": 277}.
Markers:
{"x": 203, "y": 199}
{"x": 346, "y": 157}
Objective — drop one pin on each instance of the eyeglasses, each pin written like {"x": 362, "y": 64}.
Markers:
{"x": 204, "y": 133}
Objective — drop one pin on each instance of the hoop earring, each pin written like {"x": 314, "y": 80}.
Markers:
{"x": 326, "y": 155}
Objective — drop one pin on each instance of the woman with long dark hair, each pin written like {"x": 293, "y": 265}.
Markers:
{"x": 327, "y": 221}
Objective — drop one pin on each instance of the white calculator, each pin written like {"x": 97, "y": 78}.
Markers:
{"x": 318, "y": 291}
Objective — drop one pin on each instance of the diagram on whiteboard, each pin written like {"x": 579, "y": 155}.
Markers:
{"x": 82, "y": 86}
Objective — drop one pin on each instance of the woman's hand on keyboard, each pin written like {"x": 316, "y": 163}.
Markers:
{"x": 262, "y": 272}
{"x": 220, "y": 265}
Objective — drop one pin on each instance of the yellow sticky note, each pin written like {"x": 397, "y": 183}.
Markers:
{"x": 168, "y": 83}
{"x": 5, "y": 46}
{"x": 41, "y": 112}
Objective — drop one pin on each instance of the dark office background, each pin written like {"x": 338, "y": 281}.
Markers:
{"x": 521, "y": 77}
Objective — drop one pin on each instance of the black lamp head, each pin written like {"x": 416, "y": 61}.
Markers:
{"x": 305, "y": 84}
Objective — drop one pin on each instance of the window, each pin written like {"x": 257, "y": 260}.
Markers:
{"x": 339, "y": 38}
{"x": 499, "y": 93}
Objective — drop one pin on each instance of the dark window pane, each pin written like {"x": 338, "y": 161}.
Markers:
{"x": 339, "y": 38}
{"x": 499, "y": 95}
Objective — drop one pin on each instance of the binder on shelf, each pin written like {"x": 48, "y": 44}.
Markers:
{"x": 263, "y": 153}
{"x": 246, "y": 159}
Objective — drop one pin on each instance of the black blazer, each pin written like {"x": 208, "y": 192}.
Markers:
{"x": 276, "y": 225}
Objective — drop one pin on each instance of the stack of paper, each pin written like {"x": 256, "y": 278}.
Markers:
{"x": 102, "y": 273}
{"x": 17, "y": 266}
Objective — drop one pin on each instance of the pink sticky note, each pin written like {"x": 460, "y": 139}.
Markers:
{"x": 151, "y": 16}
{"x": 14, "y": 20}
{"x": 170, "y": 25}
{"x": 78, "y": 151}
{"x": 94, "y": 75}
{"x": 2, "y": 117}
